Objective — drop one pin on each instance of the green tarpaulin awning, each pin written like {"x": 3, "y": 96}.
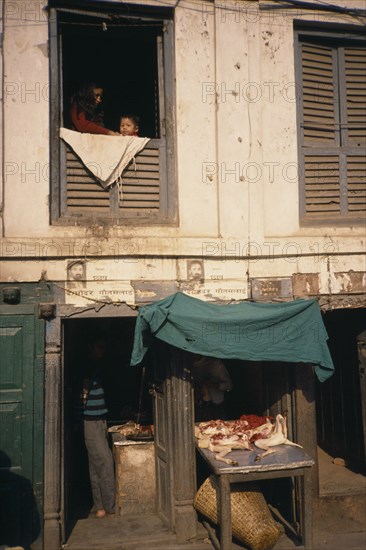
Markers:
{"x": 293, "y": 332}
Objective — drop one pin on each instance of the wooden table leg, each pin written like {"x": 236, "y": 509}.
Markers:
{"x": 225, "y": 513}
{"x": 118, "y": 478}
{"x": 307, "y": 510}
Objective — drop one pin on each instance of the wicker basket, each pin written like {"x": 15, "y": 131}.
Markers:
{"x": 251, "y": 519}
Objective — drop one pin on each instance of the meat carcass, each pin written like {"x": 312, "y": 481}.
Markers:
{"x": 277, "y": 437}
{"x": 221, "y": 437}
{"x": 228, "y": 444}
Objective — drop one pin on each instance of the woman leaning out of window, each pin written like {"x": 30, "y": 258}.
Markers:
{"x": 86, "y": 111}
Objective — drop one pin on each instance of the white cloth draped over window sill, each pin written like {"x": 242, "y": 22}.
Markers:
{"x": 104, "y": 156}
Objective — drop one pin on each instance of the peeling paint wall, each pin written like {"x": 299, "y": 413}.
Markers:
{"x": 236, "y": 144}
{"x": 26, "y": 119}
{"x": 1, "y": 123}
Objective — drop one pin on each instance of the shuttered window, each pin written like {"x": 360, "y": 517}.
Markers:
{"x": 332, "y": 127}
{"x": 138, "y": 193}
{"x": 132, "y": 53}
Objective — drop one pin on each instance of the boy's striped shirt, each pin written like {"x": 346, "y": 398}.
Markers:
{"x": 95, "y": 406}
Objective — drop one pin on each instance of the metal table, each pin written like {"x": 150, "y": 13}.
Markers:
{"x": 287, "y": 461}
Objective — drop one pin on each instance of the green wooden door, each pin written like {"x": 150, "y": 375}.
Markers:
{"x": 21, "y": 427}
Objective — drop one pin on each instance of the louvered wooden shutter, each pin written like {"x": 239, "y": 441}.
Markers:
{"x": 138, "y": 193}
{"x": 356, "y": 184}
{"x": 319, "y": 114}
{"x": 322, "y": 190}
{"x": 83, "y": 192}
{"x": 355, "y": 83}
{"x": 141, "y": 182}
{"x": 333, "y": 131}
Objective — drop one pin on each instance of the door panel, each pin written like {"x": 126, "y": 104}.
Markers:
{"x": 10, "y": 435}
{"x": 361, "y": 345}
{"x": 19, "y": 517}
{"x": 163, "y": 432}
{"x": 163, "y": 473}
{"x": 174, "y": 442}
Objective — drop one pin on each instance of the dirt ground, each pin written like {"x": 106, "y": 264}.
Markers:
{"x": 339, "y": 522}
{"x": 331, "y": 532}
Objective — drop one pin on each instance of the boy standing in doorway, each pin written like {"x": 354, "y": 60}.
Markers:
{"x": 101, "y": 467}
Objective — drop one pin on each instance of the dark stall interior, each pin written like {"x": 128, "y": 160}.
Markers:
{"x": 262, "y": 389}
{"x": 126, "y": 390}
{"x": 338, "y": 400}
{"x": 258, "y": 388}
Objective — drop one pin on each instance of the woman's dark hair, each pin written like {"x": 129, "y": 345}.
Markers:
{"x": 85, "y": 102}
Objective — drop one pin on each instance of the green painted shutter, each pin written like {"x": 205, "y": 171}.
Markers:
{"x": 21, "y": 431}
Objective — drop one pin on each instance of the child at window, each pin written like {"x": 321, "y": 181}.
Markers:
{"x": 86, "y": 112}
{"x": 129, "y": 125}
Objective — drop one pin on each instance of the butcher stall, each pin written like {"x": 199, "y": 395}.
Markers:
{"x": 280, "y": 346}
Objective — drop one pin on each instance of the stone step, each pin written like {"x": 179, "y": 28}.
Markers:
{"x": 168, "y": 546}
{"x": 146, "y": 543}
{"x": 351, "y": 506}
{"x": 131, "y": 532}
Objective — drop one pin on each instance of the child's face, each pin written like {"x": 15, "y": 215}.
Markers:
{"x": 127, "y": 127}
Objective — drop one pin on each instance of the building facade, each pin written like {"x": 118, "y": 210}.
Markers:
{"x": 251, "y": 187}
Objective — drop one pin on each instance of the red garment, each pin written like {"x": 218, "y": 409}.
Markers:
{"x": 82, "y": 124}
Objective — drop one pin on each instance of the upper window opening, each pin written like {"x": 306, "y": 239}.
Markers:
{"x": 120, "y": 56}
{"x": 130, "y": 61}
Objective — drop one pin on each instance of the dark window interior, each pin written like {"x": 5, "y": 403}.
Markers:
{"x": 121, "y": 56}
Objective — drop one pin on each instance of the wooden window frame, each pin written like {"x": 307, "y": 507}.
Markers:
{"x": 166, "y": 213}
{"x": 338, "y": 38}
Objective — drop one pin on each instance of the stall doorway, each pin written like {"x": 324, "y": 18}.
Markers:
{"x": 339, "y": 404}
{"x": 127, "y": 396}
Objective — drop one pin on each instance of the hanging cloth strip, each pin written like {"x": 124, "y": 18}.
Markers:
{"x": 105, "y": 156}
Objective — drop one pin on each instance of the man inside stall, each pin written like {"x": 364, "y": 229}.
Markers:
{"x": 211, "y": 384}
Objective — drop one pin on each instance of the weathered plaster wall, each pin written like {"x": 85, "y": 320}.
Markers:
{"x": 196, "y": 123}
{"x": 236, "y": 161}
{"x": 233, "y": 61}
{"x": 26, "y": 119}
{"x": 1, "y": 126}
